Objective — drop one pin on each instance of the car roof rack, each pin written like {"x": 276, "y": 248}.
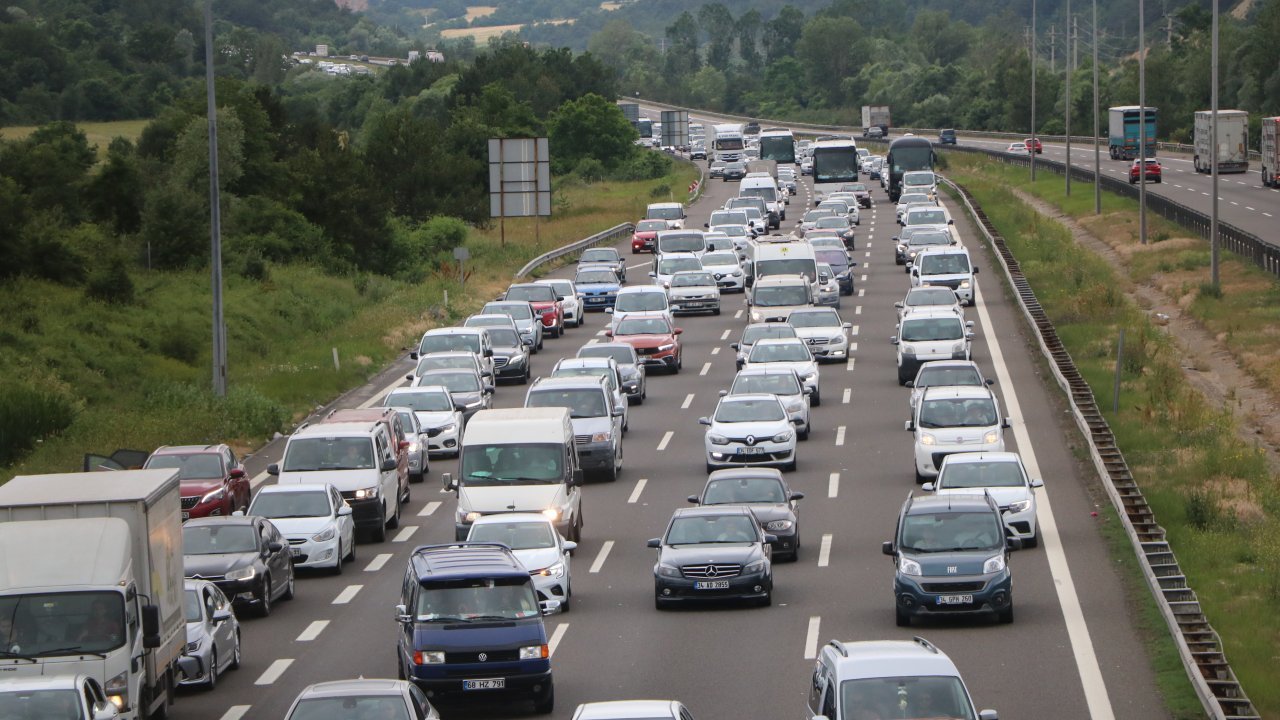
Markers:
{"x": 840, "y": 648}
{"x": 926, "y": 644}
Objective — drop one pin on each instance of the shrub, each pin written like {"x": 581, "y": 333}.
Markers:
{"x": 111, "y": 283}
{"x": 660, "y": 191}
{"x": 29, "y": 412}
{"x": 1203, "y": 512}
{"x": 1209, "y": 290}
{"x": 180, "y": 340}
{"x": 590, "y": 170}
{"x": 643, "y": 165}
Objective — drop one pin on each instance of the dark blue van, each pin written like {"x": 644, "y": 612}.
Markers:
{"x": 471, "y": 625}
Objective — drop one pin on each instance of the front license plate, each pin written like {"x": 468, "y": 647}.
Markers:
{"x": 186, "y": 516}
{"x": 487, "y": 684}
{"x": 295, "y": 551}
{"x": 955, "y": 599}
{"x": 711, "y": 585}
{"x": 751, "y": 451}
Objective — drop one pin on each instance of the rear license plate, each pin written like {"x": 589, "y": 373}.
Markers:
{"x": 751, "y": 451}
{"x": 711, "y": 585}
{"x": 186, "y": 516}
{"x": 955, "y": 599}
{"x": 487, "y": 684}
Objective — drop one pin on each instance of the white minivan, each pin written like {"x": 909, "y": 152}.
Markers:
{"x": 945, "y": 266}
{"x": 766, "y": 188}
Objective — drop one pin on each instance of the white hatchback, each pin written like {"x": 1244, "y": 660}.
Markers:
{"x": 534, "y": 541}
{"x": 315, "y": 520}
{"x": 749, "y": 430}
{"x": 1000, "y": 475}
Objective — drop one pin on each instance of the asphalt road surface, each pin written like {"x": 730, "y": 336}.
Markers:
{"x": 1071, "y": 653}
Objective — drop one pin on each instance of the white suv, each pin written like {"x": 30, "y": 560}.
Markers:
{"x": 1000, "y": 475}
{"x": 954, "y": 419}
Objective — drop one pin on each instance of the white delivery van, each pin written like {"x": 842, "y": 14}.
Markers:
{"x": 945, "y": 266}
{"x": 765, "y": 188}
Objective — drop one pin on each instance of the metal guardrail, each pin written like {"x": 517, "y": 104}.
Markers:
{"x": 613, "y": 234}
{"x": 1199, "y": 646}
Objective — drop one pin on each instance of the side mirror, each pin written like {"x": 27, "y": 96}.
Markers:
{"x": 893, "y": 340}
{"x": 950, "y": 221}
{"x": 770, "y": 539}
{"x": 237, "y": 473}
{"x": 928, "y": 487}
{"x": 446, "y": 480}
{"x": 910, "y": 383}
{"x": 488, "y": 352}
{"x": 678, "y": 331}
{"x": 968, "y": 334}
{"x": 107, "y": 711}
{"x": 344, "y": 511}
{"x": 569, "y": 545}
{"x": 969, "y": 324}
{"x": 409, "y": 377}
{"x": 988, "y": 715}
{"x": 402, "y": 614}
{"x": 1013, "y": 543}
{"x": 704, "y": 421}
{"x": 578, "y": 478}
{"x": 488, "y": 389}
{"x": 975, "y": 269}
{"x": 989, "y": 381}
{"x": 608, "y": 311}
{"x": 723, "y": 393}
{"x": 909, "y": 426}
{"x": 847, "y": 326}
{"x": 151, "y": 628}
{"x": 887, "y": 548}
{"x": 797, "y": 496}
{"x": 1037, "y": 482}
{"x": 608, "y": 333}
{"x": 274, "y": 547}
{"x": 1005, "y": 423}
{"x": 693, "y": 499}
{"x": 654, "y": 543}
{"x": 616, "y": 412}
{"x": 807, "y": 390}
{"x": 653, "y": 274}
{"x": 706, "y": 225}
{"x": 273, "y": 469}
{"x": 389, "y": 464}
{"x": 221, "y": 615}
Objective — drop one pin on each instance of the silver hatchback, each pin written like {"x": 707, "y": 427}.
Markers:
{"x": 398, "y": 699}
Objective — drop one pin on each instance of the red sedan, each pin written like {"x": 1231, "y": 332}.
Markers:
{"x": 655, "y": 340}
{"x": 546, "y": 305}
{"x": 646, "y": 234}
{"x": 1155, "y": 173}
{"x": 1033, "y": 145}
{"x": 212, "y": 481}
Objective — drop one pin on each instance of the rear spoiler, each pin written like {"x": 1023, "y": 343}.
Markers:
{"x": 122, "y": 459}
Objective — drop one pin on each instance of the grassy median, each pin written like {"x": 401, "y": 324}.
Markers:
{"x": 1211, "y": 490}
{"x": 137, "y": 375}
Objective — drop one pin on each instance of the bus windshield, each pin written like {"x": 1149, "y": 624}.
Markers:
{"x": 832, "y": 165}
{"x": 780, "y": 148}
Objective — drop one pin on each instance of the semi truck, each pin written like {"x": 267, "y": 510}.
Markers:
{"x": 1270, "y": 152}
{"x": 1124, "y": 131}
{"x": 92, "y": 583}
{"x": 1233, "y": 141}
{"x": 727, "y": 143}
{"x": 875, "y": 116}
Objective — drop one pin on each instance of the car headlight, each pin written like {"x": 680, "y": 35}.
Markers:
{"x": 717, "y": 439}
{"x": 448, "y": 428}
{"x": 958, "y": 347}
{"x": 665, "y": 347}
{"x": 324, "y": 535}
{"x": 907, "y": 350}
{"x": 428, "y": 657}
{"x": 780, "y": 525}
{"x": 471, "y": 517}
{"x": 517, "y": 359}
{"x": 784, "y": 436}
{"x": 414, "y": 446}
{"x": 810, "y": 375}
{"x": 667, "y": 570}
{"x": 754, "y": 567}
{"x": 736, "y": 273}
{"x": 907, "y": 566}
{"x": 927, "y": 439}
{"x": 1020, "y": 506}
{"x": 191, "y": 647}
{"x": 213, "y": 495}
{"x": 534, "y": 652}
{"x": 556, "y": 570}
{"x": 991, "y": 438}
{"x": 795, "y": 405}
{"x": 117, "y": 690}
{"x": 600, "y": 437}
{"x": 246, "y": 573}
{"x": 551, "y": 513}
{"x": 964, "y": 284}
{"x": 993, "y": 564}
{"x": 367, "y": 493}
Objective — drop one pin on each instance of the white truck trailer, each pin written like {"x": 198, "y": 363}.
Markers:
{"x": 1233, "y": 141}
{"x": 1270, "y": 150}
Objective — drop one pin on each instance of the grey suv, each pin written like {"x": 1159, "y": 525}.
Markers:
{"x": 597, "y": 418}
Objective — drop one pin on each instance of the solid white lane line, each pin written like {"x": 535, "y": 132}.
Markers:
{"x": 848, "y": 395}
{"x": 256, "y": 481}
{"x": 824, "y": 553}
{"x": 666, "y": 438}
{"x": 601, "y": 556}
{"x": 833, "y": 485}
{"x": 706, "y": 368}
{"x": 273, "y": 671}
{"x": 635, "y": 494}
{"x": 811, "y": 638}
{"x": 715, "y": 350}
{"x": 725, "y": 335}
{"x": 840, "y": 436}
{"x": 347, "y": 595}
{"x": 378, "y": 561}
{"x": 688, "y": 400}
{"x": 236, "y": 712}
{"x": 429, "y": 508}
{"x": 381, "y": 393}
{"x": 556, "y": 636}
{"x": 405, "y": 533}
{"x": 313, "y": 631}
{"x": 1095, "y": 688}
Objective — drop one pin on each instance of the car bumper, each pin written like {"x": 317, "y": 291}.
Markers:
{"x": 642, "y": 246}
{"x": 213, "y": 508}
{"x": 929, "y": 457}
{"x": 548, "y": 320}
{"x": 443, "y": 442}
{"x": 598, "y": 302}
{"x": 510, "y": 371}
{"x": 691, "y": 306}
{"x": 771, "y": 454}
{"x": 240, "y": 591}
{"x": 831, "y": 299}
{"x": 550, "y": 587}
{"x": 742, "y": 587}
{"x": 923, "y": 595}
{"x": 1023, "y": 523}
{"x": 451, "y": 676}
{"x": 665, "y": 359}
{"x": 830, "y": 351}
{"x": 310, "y": 553}
{"x": 367, "y": 514}
{"x": 204, "y": 657}
{"x": 596, "y": 456}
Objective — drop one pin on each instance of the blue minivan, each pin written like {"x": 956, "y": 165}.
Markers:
{"x": 471, "y": 625}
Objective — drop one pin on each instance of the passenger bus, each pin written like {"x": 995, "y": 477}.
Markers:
{"x": 835, "y": 160}
{"x": 908, "y": 153}
{"x": 778, "y": 144}
{"x": 644, "y": 126}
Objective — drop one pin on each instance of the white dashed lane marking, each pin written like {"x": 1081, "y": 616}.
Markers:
{"x": 273, "y": 671}
{"x": 688, "y": 400}
{"x": 313, "y": 631}
{"x": 666, "y": 438}
{"x": 848, "y": 395}
{"x": 833, "y": 485}
{"x": 405, "y": 533}
{"x": 429, "y": 508}
{"x": 601, "y": 556}
{"x": 556, "y": 636}
{"x": 378, "y": 561}
{"x": 811, "y": 638}
{"x": 824, "y": 553}
{"x": 635, "y": 494}
{"x": 236, "y": 712}
{"x": 347, "y": 595}
{"x": 840, "y": 436}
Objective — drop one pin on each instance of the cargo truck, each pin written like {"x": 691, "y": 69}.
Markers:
{"x": 1270, "y": 152}
{"x": 1233, "y": 141}
{"x": 875, "y": 116}
{"x": 91, "y": 580}
{"x": 1125, "y": 131}
{"x": 631, "y": 111}
{"x": 727, "y": 143}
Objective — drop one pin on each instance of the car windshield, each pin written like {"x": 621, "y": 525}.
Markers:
{"x": 219, "y": 539}
{"x": 519, "y": 535}
{"x": 491, "y": 465}
{"x": 191, "y": 608}
{"x": 666, "y": 213}
{"x": 487, "y": 321}
{"x": 837, "y": 259}
{"x": 931, "y": 329}
{"x": 813, "y": 319}
{"x": 700, "y": 529}
{"x": 643, "y": 326}
{"x": 719, "y": 259}
{"x": 728, "y": 217}
{"x": 743, "y": 490}
{"x": 334, "y": 453}
{"x": 944, "y": 264}
{"x": 814, "y": 216}
{"x": 681, "y": 243}
{"x": 504, "y": 337}
{"x": 921, "y": 178}
{"x": 980, "y": 474}
{"x": 929, "y": 238}
{"x": 933, "y": 697}
{"x": 465, "y": 342}
{"x": 599, "y": 255}
{"x": 48, "y": 623}
{"x": 771, "y": 330}
{"x": 950, "y": 531}
{"x": 764, "y": 193}
{"x": 516, "y": 311}
{"x": 931, "y": 296}
{"x": 733, "y": 230}
{"x": 696, "y": 279}
{"x": 651, "y": 225}
{"x": 596, "y": 277}
{"x": 671, "y": 266}
{"x": 585, "y": 403}
{"x": 832, "y": 223}
{"x": 381, "y": 707}
{"x": 620, "y": 354}
{"x": 780, "y": 296}
{"x": 430, "y": 401}
{"x": 649, "y": 301}
{"x": 479, "y": 600}
{"x": 531, "y": 293}
{"x": 947, "y": 376}
{"x": 836, "y": 206}
{"x": 190, "y": 466}
{"x": 588, "y": 371}
{"x": 561, "y": 287}
{"x": 741, "y": 411}
{"x": 299, "y": 504}
{"x": 770, "y": 383}
{"x": 927, "y": 217}
{"x": 958, "y": 412}
{"x": 445, "y": 362}
{"x": 854, "y": 187}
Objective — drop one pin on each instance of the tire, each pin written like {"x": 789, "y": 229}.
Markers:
{"x": 419, "y": 478}
{"x": 264, "y": 600}
{"x": 920, "y": 479}
{"x": 765, "y": 601}
{"x": 902, "y": 378}
{"x": 394, "y": 522}
{"x": 802, "y": 436}
{"x": 351, "y": 551}
{"x": 1032, "y": 541}
{"x": 400, "y": 668}
{"x": 545, "y": 704}
{"x": 289, "y": 587}
{"x": 337, "y": 564}
{"x": 793, "y": 465}
{"x": 379, "y": 533}
{"x": 1005, "y": 616}
{"x": 636, "y": 399}
{"x": 212, "y": 683}
{"x": 902, "y": 617}
{"x": 716, "y": 311}
{"x": 235, "y": 654}
{"x": 816, "y": 399}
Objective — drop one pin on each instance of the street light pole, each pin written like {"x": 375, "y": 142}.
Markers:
{"x": 1097, "y": 156}
{"x": 1213, "y": 143}
{"x": 1068, "y": 103}
{"x": 1032, "y": 48}
{"x": 1142, "y": 123}
{"x": 215, "y": 214}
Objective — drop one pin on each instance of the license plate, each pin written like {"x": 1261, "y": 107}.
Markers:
{"x": 186, "y": 516}
{"x": 751, "y": 451}
{"x": 955, "y": 599}
{"x": 295, "y": 551}
{"x": 711, "y": 585}
{"x": 488, "y": 684}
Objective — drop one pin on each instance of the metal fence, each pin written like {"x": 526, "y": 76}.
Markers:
{"x": 609, "y": 236}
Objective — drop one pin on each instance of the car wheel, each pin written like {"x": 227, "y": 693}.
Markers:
{"x": 337, "y": 564}
{"x": 816, "y": 397}
{"x": 803, "y": 434}
{"x": 524, "y": 379}
{"x": 379, "y": 533}
{"x": 920, "y": 479}
{"x": 400, "y": 667}
{"x": 408, "y": 492}
{"x": 212, "y": 682}
{"x": 1006, "y": 615}
{"x": 351, "y": 551}
{"x": 902, "y": 617}
{"x": 235, "y": 654}
{"x": 1032, "y": 541}
{"x": 289, "y": 586}
{"x": 902, "y": 377}
{"x": 716, "y": 311}
{"x": 264, "y": 597}
{"x": 636, "y": 399}
{"x": 791, "y": 466}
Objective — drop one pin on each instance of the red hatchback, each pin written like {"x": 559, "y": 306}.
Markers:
{"x": 655, "y": 340}
{"x": 1033, "y": 145}
{"x": 1155, "y": 173}
{"x": 645, "y": 235}
{"x": 212, "y": 480}
{"x": 545, "y": 304}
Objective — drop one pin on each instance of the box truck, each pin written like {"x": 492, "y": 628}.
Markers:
{"x": 1270, "y": 152}
{"x": 631, "y": 111}
{"x": 875, "y": 116}
{"x": 1124, "y": 131}
{"x": 91, "y": 581}
{"x": 1233, "y": 141}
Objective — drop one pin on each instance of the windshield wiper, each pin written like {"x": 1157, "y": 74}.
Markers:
{"x": 17, "y": 656}
{"x": 448, "y": 619}
{"x": 76, "y": 649}
{"x": 473, "y": 618}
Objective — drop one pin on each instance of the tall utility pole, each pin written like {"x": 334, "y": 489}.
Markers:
{"x": 1068, "y": 105}
{"x": 1075, "y": 44}
{"x": 1053, "y": 48}
{"x": 215, "y": 214}
{"x": 1097, "y": 112}
{"x": 1032, "y": 47}
{"x": 1142, "y": 123}
{"x": 1213, "y": 142}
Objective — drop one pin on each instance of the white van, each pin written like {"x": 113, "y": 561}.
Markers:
{"x": 946, "y": 266}
{"x": 671, "y": 212}
{"x": 765, "y": 188}
{"x": 785, "y": 258}
{"x": 518, "y": 460}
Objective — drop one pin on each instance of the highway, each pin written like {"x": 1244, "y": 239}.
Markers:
{"x": 1071, "y": 653}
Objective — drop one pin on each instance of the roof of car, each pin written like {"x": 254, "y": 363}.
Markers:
{"x": 784, "y": 341}
{"x": 291, "y": 488}
{"x": 961, "y": 392}
{"x": 222, "y": 520}
{"x": 456, "y": 330}
{"x": 749, "y": 397}
{"x": 339, "y": 429}
{"x": 703, "y": 510}
{"x": 587, "y": 361}
{"x": 610, "y": 345}
{"x": 929, "y": 312}
{"x": 465, "y": 560}
{"x": 889, "y": 658}
{"x": 958, "y": 502}
{"x": 648, "y": 288}
{"x": 973, "y": 457}
{"x": 186, "y": 449}
{"x": 624, "y": 709}
{"x": 764, "y": 370}
{"x": 569, "y": 381}
{"x": 362, "y": 686}
{"x": 495, "y": 518}
{"x": 419, "y": 390}
{"x": 745, "y": 472}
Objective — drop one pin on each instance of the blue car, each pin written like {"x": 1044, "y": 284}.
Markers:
{"x": 470, "y": 624}
{"x": 598, "y": 286}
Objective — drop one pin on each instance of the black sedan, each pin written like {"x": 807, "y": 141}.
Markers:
{"x": 765, "y": 493}
{"x": 510, "y": 355}
{"x": 465, "y": 386}
{"x": 712, "y": 553}
{"x": 245, "y": 556}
